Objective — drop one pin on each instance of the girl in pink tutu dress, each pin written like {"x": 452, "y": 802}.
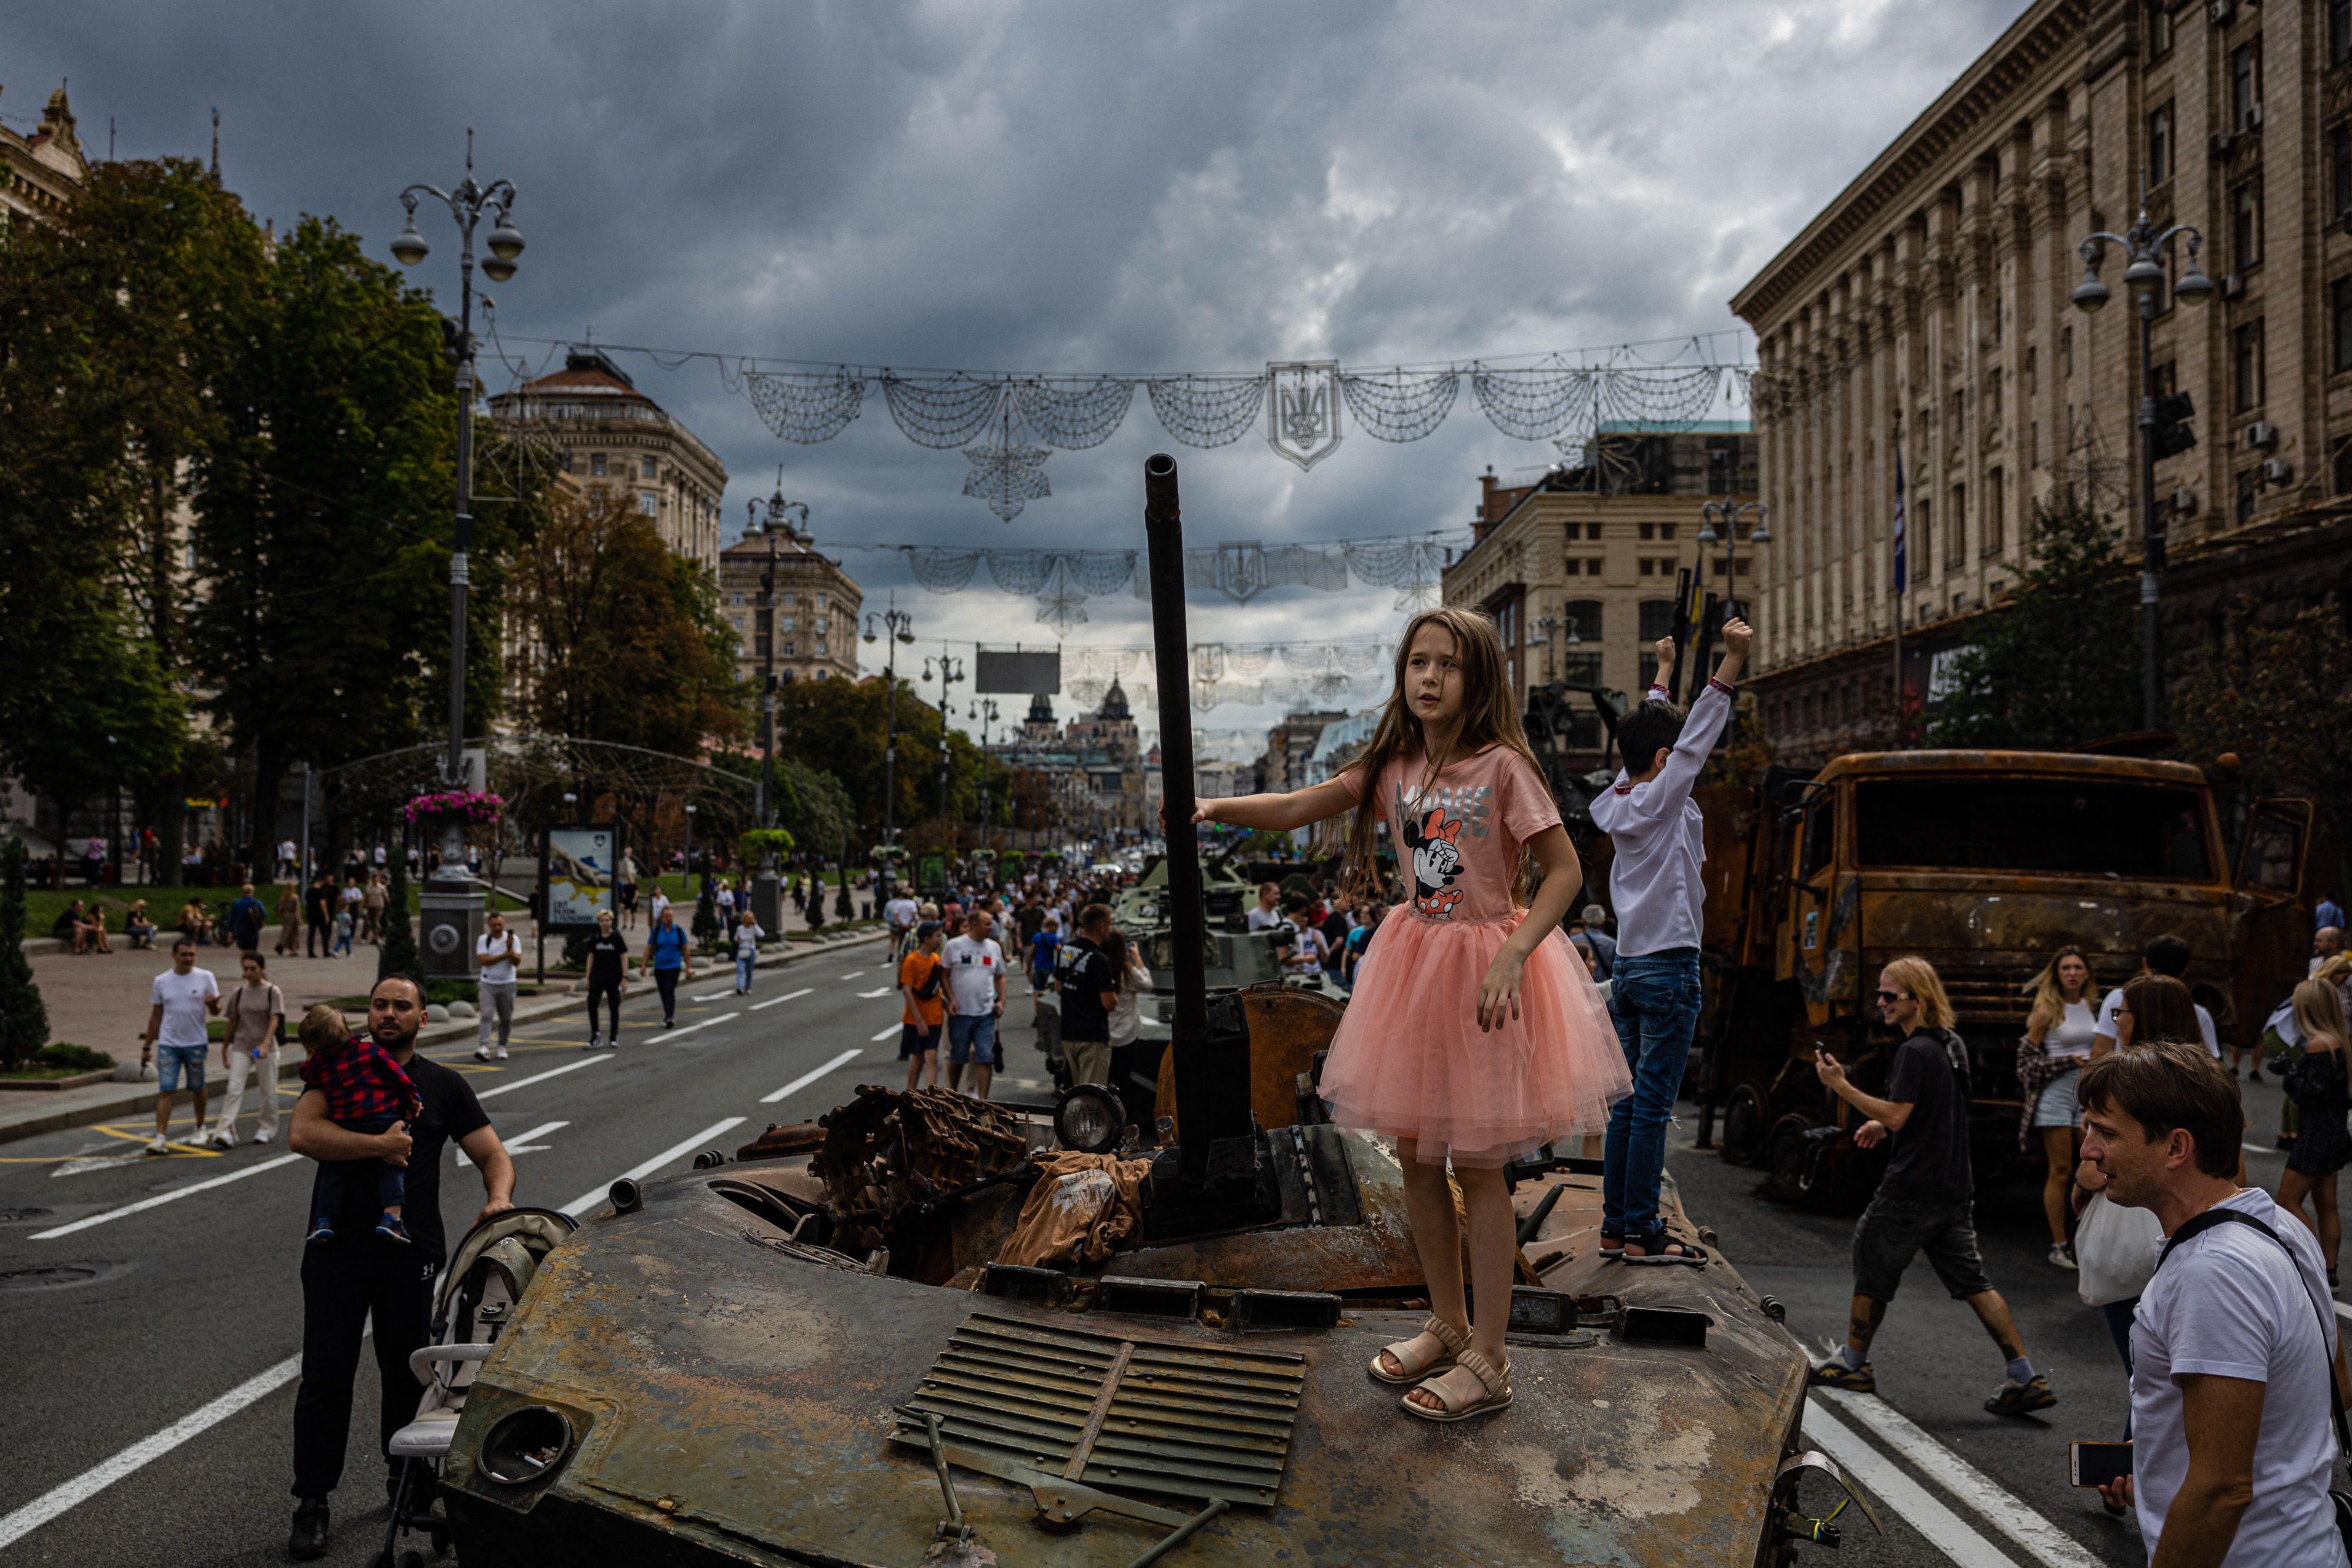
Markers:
{"x": 1474, "y": 1034}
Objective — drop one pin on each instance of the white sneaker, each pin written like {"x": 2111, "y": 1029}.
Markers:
{"x": 502, "y": 1054}
{"x": 594, "y": 1039}
{"x": 263, "y": 1136}
{"x": 223, "y": 1138}
{"x": 481, "y": 1053}
{"x": 158, "y": 1147}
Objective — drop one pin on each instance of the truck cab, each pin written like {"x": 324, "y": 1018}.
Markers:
{"x": 1983, "y": 863}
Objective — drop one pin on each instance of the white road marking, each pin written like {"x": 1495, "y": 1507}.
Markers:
{"x": 160, "y": 1199}
{"x": 1999, "y": 1506}
{"x": 689, "y": 1029}
{"x": 891, "y": 1033}
{"x": 712, "y": 996}
{"x": 854, "y": 974}
{"x": 2342, "y": 1311}
{"x": 539, "y": 1077}
{"x": 588, "y": 1200}
{"x": 95, "y": 1162}
{"x": 1900, "y": 1494}
{"x": 806, "y": 1079}
{"x": 2261, "y": 1149}
{"x": 787, "y": 997}
{"x": 869, "y": 996}
{"x": 145, "y": 1451}
{"x": 522, "y": 1144}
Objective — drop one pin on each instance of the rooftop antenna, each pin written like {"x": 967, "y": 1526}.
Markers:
{"x": 110, "y": 139}
{"x": 216, "y": 143}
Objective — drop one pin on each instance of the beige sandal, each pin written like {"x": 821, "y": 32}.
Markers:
{"x": 1454, "y": 1341}
{"x": 1496, "y": 1390}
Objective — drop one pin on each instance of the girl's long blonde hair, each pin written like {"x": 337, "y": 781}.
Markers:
{"x": 2318, "y": 1011}
{"x": 1489, "y": 718}
{"x": 2050, "y": 996}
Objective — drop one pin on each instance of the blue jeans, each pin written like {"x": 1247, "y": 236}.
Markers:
{"x": 1654, "y": 1005}
{"x": 743, "y": 974}
{"x": 335, "y": 1175}
{"x": 971, "y": 1040}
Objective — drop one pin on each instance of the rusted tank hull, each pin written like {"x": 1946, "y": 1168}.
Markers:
{"x": 732, "y": 1402}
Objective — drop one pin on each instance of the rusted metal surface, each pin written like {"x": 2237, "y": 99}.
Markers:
{"x": 732, "y": 1402}
{"x": 887, "y": 1153}
{"x": 1287, "y": 1026}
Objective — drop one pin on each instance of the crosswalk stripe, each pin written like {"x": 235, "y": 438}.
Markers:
{"x": 787, "y": 997}
{"x": 689, "y": 1029}
{"x": 806, "y": 1079}
{"x": 1901, "y": 1494}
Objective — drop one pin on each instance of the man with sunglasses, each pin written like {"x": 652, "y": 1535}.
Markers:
{"x": 1925, "y": 1199}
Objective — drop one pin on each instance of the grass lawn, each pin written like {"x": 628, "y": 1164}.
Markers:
{"x": 42, "y": 906}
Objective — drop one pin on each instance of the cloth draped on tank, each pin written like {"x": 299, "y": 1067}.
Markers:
{"x": 1409, "y": 1060}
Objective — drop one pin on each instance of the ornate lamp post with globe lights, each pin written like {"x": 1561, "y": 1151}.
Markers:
{"x": 452, "y": 912}
{"x": 898, "y": 626}
{"x": 781, "y": 514}
{"x": 2163, "y": 428}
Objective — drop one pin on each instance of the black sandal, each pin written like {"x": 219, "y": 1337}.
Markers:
{"x": 1655, "y": 1254}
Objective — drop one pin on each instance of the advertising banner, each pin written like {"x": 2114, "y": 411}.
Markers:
{"x": 1018, "y": 672}
{"x": 576, "y": 877}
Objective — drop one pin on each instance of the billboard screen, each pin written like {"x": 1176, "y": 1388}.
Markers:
{"x": 576, "y": 871}
{"x": 1025, "y": 672}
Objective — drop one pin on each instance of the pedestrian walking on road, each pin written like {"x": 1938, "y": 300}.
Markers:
{"x": 290, "y": 922}
{"x": 747, "y": 934}
{"x": 359, "y": 1275}
{"x": 922, "y": 1017}
{"x": 246, "y": 919}
{"x": 1653, "y": 882}
{"x": 2322, "y": 1147}
{"x": 2167, "y": 956}
{"x": 667, "y": 957}
{"x": 2237, "y": 1374}
{"x": 608, "y": 978}
{"x": 177, "y": 1037}
{"x": 373, "y": 900}
{"x": 975, "y": 967}
{"x": 318, "y": 915}
{"x": 2058, "y": 1033}
{"x": 256, "y": 1026}
{"x": 497, "y": 955}
{"x": 1926, "y": 1200}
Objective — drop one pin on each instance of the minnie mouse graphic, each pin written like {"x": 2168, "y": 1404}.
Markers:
{"x": 1435, "y": 859}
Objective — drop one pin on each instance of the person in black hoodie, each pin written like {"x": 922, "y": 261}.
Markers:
{"x": 1925, "y": 1199}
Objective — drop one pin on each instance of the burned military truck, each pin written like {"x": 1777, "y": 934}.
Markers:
{"x": 1983, "y": 863}
{"x": 926, "y": 1329}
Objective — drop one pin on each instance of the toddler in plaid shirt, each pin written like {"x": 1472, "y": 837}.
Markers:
{"x": 367, "y": 1092}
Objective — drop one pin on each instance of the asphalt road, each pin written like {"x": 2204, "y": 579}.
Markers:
{"x": 148, "y": 1405}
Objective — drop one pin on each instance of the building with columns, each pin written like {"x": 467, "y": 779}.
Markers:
{"x": 1926, "y": 312}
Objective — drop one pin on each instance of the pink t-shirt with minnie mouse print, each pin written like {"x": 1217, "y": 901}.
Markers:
{"x": 1458, "y": 836}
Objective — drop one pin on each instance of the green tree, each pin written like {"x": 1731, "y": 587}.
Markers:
{"x": 24, "y": 1019}
{"x": 397, "y": 955}
{"x": 845, "y": 722}
{"x": 323, "y": 518}
{"x": 622, "y": 640}
{"x": 2281, "y": 698}
{"x": 2057, "y": 664}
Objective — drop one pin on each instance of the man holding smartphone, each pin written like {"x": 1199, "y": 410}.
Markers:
{"x": 2235, "y": 1341}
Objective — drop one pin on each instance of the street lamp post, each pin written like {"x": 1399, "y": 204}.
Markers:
{"x": 779, "y": 520}
{"x": 1548, "y": 624}
{"x": 1726, "y": 516}
{"x": 951, "y": 671}
{"x": 2147, "y": 246}
{"x": 452, "y": 909}
{"x": 898, "y": 626}
{"x": 985, "y": 711}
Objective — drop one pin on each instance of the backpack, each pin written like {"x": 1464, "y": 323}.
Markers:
{"x": 2219, "y": 1216}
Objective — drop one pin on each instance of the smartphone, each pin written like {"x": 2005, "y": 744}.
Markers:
{"x": 2099, "y": 1464}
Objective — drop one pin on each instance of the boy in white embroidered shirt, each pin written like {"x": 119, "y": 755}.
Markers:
{"x": 1653, "y": 882}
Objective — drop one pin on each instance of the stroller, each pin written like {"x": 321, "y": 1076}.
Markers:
{"x": 484, "y": 1283}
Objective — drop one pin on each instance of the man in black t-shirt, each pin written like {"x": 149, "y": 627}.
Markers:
{"x": 359, "y": 1272}
{"x": 1089, "y": 985}
{"x": 608, "y": 976}
{"x": 1925, "y": 1199}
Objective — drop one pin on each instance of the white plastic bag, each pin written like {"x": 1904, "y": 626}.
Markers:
{"x": 2115, "y": 1250}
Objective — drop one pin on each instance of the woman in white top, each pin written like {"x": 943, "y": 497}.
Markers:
{"x": 2065, "y": 1014}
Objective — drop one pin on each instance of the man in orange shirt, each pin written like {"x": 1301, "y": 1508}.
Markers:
{"x": 922, "y": 1021}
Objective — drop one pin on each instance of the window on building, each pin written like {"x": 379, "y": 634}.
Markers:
{"x": 1580, "y": 667}
{"x": 2160, "y": 29}
{"x": 567, "y": 461}
{"x": 2246, "y": 367}
{"x": 1996, "y": 505}
{"x": 2159, "y": 143}
{"x": 1648, "y": 531}
{"x": 788, "y": 598}
{"x": 2339, "y": 167}
{"x": 648, "y": 503}
{"x": 645, "y": 467}
{"x": 736, "y": 599}
{"x": 2339, "y": 31}
{"x": 789, "y": 621}
{"x": 1993, "y": 392}
{"x": 2066, "y": 351}
{"x": 2339, "y": 323}
{"x": 1667, "y": 530}
{"x": 1583, "y": 617}
{"x": 1649, "y": 566}
{"x": 2032, "y": 382}
{"x": 1740, "y": 568}
{"x": 1722, "y": 566}
{"x": 2246, "y": 225}
{"x": 786, "y": 651}
{"x": 1918, "y": 547}
{"x": 2246, "y": 84}
{"x": 2249, "y": 485}
{"x": 1657, "y": 616}
{"x": 1592, "y": 530}
{"x": 2344, "y": 467}
{"x": 1572, "y": 566}
{"x": 759, "y": 647}
{"x": 820, "y": 648}
{"x": 1956, "y": 543}
{"x": 596, "y": 465}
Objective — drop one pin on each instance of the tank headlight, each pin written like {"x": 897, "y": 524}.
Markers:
{"x": 1089, "y": 1118}
{"x": 525, "y": 1446}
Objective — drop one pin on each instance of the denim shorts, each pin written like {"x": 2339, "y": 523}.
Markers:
{"x": 2056, "y": 1108}
{"x": 170, "y": 1060}
{"x": 973, "y": 1039}
{"x": 1892, "y": 1233}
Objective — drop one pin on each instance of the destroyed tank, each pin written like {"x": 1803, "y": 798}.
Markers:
{"x": 926, "y": 1329}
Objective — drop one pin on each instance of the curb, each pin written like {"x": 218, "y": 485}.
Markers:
{"x": 141, "y": 1097}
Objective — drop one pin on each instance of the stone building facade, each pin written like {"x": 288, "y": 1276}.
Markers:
{"x": 613, "y": 438}
{"x": 1598, "y": 552}
{"x": 42, "y": 173}
{"x": 810, "y": 611}
{"x": 1926, "y": 312}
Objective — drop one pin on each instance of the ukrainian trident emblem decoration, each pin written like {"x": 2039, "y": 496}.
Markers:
{"x": 1302, "y": 410}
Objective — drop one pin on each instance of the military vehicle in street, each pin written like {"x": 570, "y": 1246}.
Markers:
{"x": 1983, "y": 863}
{"x": 820, "y": 1354}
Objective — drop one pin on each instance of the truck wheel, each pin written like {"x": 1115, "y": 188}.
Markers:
{"x": 1788, "y": 1158}
{"x": 1744, "y": 1127}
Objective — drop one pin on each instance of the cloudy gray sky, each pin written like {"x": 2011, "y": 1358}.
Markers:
{"x": 1054, "y": 186}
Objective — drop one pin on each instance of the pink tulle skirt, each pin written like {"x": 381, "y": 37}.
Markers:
{"x": 1409, "y": 1060}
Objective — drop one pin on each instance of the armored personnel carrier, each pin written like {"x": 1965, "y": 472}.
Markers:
{"x": 926, "y": 1330}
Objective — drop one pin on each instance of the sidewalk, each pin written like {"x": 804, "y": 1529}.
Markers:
{"x": 100, "y": 1001}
